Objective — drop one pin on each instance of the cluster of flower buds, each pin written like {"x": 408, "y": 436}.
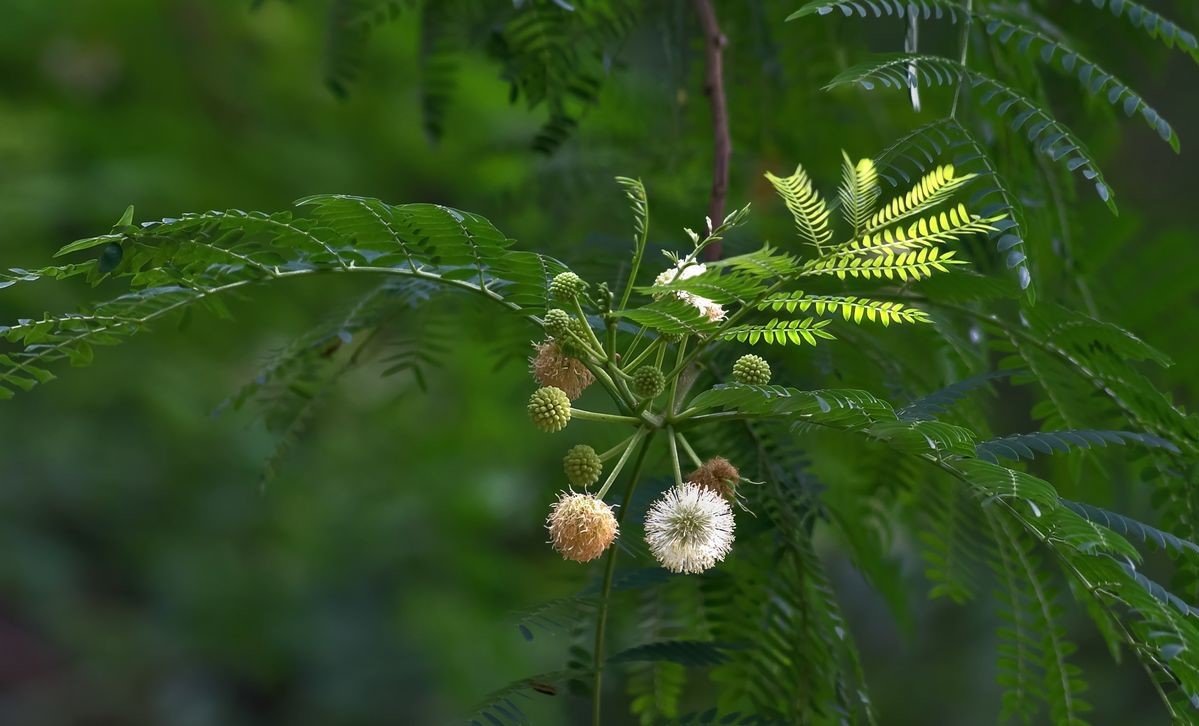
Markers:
{"x": 690, "y": 527}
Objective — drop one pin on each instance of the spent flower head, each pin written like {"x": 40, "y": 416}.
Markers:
{"x": 718, "y": 475}
{"x": 551, "y": 366}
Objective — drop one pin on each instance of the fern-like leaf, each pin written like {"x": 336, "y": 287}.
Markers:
{"x": 1094, "y": 78}
{"x": 1026, "y": 446}
{"x": 852, "y": 308}
{"x": 1047, "y": 135}
{"x": 350, "y": 25}
{"x": 1152, "y": 23}
{"x": 936, "y": 187}
{"x": 1130, "y": 527}
{"x": 913, "y": 265}
{"x": 859, "y": 192}
{"x": 947, "y": 226}
{"x": 806, "y": 206}
{"x": 780, "y": 332}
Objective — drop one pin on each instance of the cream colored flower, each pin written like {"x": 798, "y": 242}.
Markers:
{"x": 689, "y": 529}
{"x": 581, "y": 526}
{"x": 685, "y": 271}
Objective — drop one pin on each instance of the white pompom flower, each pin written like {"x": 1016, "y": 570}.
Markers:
{"x": 689, "y": 529}
{"x": 685, "y": 271}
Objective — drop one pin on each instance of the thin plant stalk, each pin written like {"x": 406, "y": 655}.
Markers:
{"x": 601, "y": 620}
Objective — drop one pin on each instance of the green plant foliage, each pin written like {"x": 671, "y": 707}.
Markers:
{"x": 764, "y": 623}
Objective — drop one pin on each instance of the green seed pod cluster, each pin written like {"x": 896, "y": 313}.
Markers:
{"x": 648, "y": 381}
{"x": 557, "y": 323}
{"x": 570, "y": 340}
{"x": 582, "y": 466}
{"x": 751, "y": 370}
{"x": 549, "y": 408}
{"x": 566, "y": 286}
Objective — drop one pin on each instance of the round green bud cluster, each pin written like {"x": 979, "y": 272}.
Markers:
{"x": 571, "y": 345}
{"x": 566, "y": 286}
{"x": 648, "y": 381}
{"x": 582, "y": 465}
{"x": 751, "y": 370}
{"x": 549, "y": 408}
{"x": 558, "y": 322}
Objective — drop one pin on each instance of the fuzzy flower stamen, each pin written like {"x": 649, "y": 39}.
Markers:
{"x": 718, "y": 475}
{"x": 689, "y": 529}
{"x": 552, "y": 367}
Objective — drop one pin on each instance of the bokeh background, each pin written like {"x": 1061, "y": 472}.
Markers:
{"x": 149, "y": 576}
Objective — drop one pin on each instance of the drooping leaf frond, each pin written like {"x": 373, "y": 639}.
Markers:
{"x": 351, "y": 23}
{"x": 1094, "y": 79}
{"x": 898, "y": 8}
{"x": 933, "y": 404}
{"x": 559, "y": 54}
{"x": 197, "y": 259}
{"x": 683, "y": 652}
{"x": 503, "y": 707}
{"x": 906, "y": 157}
{"x": 1132, "y": 528}
{"x": 442, "y": 42}
{"x": 1026, "y": 446}
{"x": 1048, "y": 136}
{"x": 1152, "y": 23}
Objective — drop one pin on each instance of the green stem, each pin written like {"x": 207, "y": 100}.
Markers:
{"x": 674, "y": 456}
{"x": 619, "y": 447}
{"x": 629, "y": 446}
{"x": 633, "y": 346}
{"x": 687, "y": 448}
{"x": 655, "y": 345}
{"x": 638, "y": 253}
{"x": 957, "y": 94}
{"x": 686, "y": 420}
{"x": 601, "y": 620}
{"x": 673, "y": 377}
{"x": 608, "y": 384}
{"x": 595, "y": 342}
{"x": 605, "y": 417}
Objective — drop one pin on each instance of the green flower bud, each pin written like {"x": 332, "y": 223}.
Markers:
{"x": 648, "y": 381}
{"x": 558, "y": 322}
{"x": 566, "y": 286}
{"x": 582, "y": 465}
{"x": 549, "y": 408}
{"x": 751, "y": 370}
{"x": 572, "y": 340}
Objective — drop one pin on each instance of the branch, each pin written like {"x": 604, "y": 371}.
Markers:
{"x": 714, "y": 42}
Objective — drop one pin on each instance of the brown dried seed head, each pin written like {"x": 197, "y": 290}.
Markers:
{"x": 552, "y": 367}
{"x": 718, "y": 475}
{"x": 581, "y": 526}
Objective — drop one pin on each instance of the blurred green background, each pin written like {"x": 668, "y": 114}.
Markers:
{"x": 145, "y": 575}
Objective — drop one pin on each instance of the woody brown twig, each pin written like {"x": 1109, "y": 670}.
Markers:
{"x": 714, "y": 42}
